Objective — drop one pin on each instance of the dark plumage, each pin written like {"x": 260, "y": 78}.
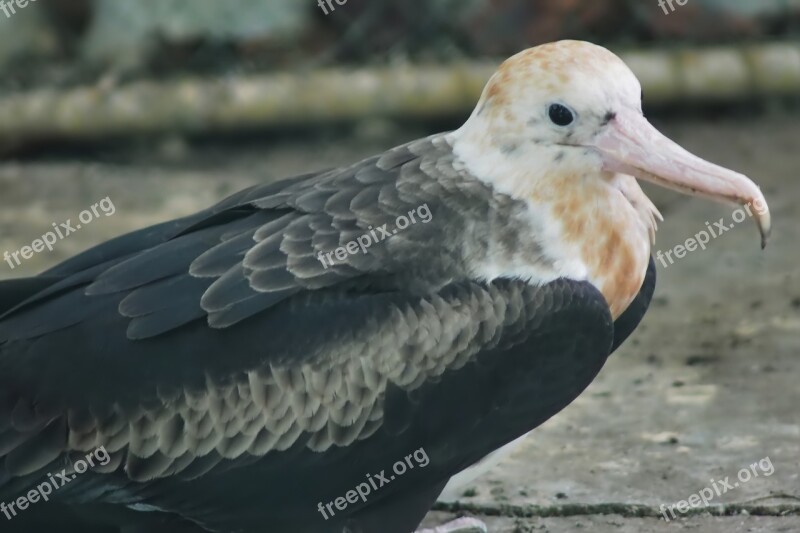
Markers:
{"x": 235, "y": 381}
{"x": 242, "y": 369}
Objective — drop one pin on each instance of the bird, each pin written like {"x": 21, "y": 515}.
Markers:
{"x": 328, "y": 352}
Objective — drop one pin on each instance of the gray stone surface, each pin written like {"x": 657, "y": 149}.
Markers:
{"x": 620, "y": 524}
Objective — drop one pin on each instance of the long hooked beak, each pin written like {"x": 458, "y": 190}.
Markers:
{"x": 631, "y": 145}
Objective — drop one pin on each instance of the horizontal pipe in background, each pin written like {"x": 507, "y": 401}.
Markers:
{"x": 197, "y": 105}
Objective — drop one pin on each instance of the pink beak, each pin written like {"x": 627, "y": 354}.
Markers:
{"x": 631, "y": 145}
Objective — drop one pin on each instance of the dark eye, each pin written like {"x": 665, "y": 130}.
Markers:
{"x": 560, "y": 115}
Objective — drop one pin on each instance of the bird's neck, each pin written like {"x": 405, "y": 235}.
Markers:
{"x": 582, "y": 226}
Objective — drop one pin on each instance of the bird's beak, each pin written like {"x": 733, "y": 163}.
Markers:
{"x": 631, "y": 145}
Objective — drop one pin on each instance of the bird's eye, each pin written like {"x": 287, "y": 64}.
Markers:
{"x": 560, "y": 115}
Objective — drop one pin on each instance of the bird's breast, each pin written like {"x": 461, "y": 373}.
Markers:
{"x": 606, "y": 245}
{"x": 609, "y": 238}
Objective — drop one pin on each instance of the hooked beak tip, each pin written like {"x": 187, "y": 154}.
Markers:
{"x": 765, "y": 227}
{"x": 631, "y": 145}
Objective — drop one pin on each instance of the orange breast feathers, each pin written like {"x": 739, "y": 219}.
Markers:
{"x": 611, "y": 229}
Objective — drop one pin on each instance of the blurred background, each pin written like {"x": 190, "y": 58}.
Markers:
{"x": 178, "y": 102}
{"x": 165, "y": 106}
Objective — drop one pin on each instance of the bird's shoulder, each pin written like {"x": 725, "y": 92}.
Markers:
{"x": 393, "y": 221}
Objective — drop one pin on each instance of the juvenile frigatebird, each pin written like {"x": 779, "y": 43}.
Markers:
{"x": 255, "y": 366}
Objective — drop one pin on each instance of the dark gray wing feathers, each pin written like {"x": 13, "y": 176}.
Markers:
{"x": 223, "y": 341}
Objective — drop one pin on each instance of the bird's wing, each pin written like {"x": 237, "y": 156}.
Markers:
{"x": 232, "y": 379}
{"x": 263, "y": 245}
{"x": 300, "y": 404}
{"x": 629, "y": 320}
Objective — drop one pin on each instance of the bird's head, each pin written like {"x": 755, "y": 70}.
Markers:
{"x": 573, "y": 108}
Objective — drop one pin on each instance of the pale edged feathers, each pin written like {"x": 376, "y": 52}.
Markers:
{"x": 301, "y": 360}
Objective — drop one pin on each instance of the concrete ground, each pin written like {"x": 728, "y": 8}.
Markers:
{"x": 705, "y": 388}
